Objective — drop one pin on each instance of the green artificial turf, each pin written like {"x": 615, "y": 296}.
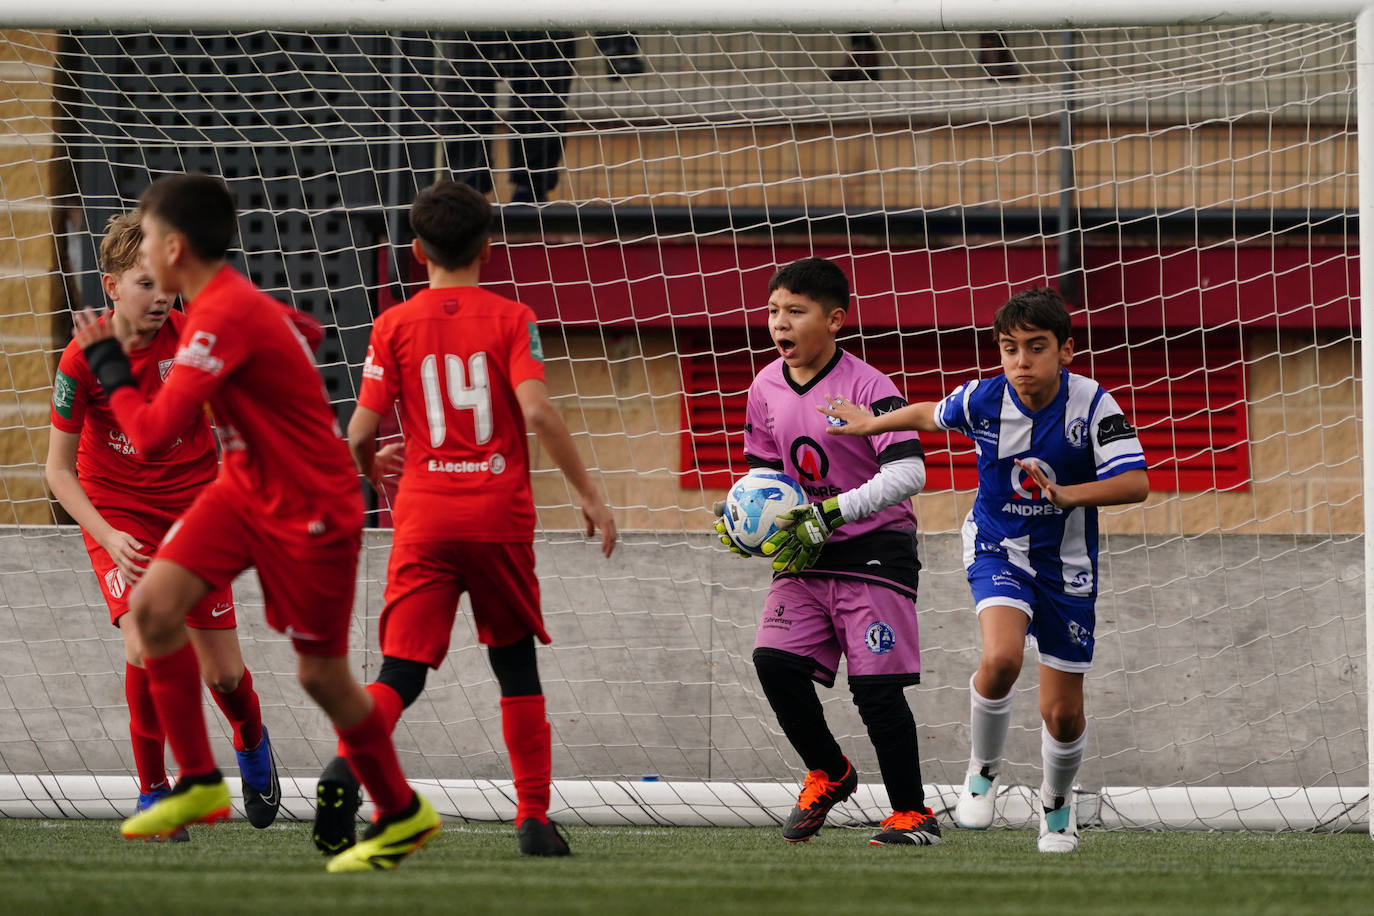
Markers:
{"x": 85, "y": 867}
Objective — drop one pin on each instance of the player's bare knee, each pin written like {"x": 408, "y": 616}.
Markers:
{"x": 222, "y": 681}
{"x": 1063, "y": 718}
{"x": 998, "y": 671}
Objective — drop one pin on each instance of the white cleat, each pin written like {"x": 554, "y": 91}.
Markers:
{"x": 977, "y": 799}
{"x": 1059, "y": 828}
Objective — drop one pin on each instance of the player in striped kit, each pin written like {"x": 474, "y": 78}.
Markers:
{"x": 1052, "y": 447}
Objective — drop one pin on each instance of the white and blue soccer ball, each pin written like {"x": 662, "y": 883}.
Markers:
{"x": 753, "y": 505}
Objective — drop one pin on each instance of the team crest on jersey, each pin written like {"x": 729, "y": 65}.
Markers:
{"x": 1078, "y": 432}
{"x": 164, "y": 368}
{"x": 879, "y": 638}
{"x": 115, "y": 584}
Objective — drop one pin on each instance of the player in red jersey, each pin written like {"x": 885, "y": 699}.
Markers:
{"x": 286, "y": 501}
{"x": 125, "y": 501}
{"x": 466, "y": 367}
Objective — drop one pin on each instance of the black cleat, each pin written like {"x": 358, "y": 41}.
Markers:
{"x": 337, "y": 799}
{"x": 909, "y": 828}
{"x": 538, "y": 838}
{"x": 260, "y": 766}
{"x": 818, "y": 795}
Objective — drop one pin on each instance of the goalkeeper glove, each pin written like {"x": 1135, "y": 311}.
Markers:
{"x": 719, "y": 510}
{"x": 801, "y": 535}
{"x": 109, "y": 365}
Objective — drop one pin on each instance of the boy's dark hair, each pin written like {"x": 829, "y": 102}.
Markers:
{"x": 816, "y": 279}
{"x": 1034, "y": 309}
{"x": 451, "y": 220}
{"x": 198, "y": 206}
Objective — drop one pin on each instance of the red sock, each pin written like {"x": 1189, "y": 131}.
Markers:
{"x": 240, "y": 706}
{"x": 367, "y": 748}
{"x": 529, "y": 741}
{"x": 145, "y": 733}
{"x": 174, "y": 681}
{"x": 388, "y": 705}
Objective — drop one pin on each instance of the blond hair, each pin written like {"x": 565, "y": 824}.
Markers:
{"x": 119, "y": 249}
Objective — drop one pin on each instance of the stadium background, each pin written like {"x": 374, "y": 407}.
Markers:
{"x": 1253, "y": 441}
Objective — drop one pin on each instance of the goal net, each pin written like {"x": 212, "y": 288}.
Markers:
{"x": 1191, "y": 190}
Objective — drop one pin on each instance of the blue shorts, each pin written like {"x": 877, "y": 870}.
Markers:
{"x": 1061, "y": 625}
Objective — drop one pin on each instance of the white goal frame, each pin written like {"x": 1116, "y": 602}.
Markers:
{"x": 620, "y": 800}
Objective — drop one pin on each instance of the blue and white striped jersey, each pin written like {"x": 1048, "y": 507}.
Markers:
{"x": 1081, "y": 435}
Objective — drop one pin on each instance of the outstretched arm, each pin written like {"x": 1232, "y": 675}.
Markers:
{"x": 1131, "y": 486}
{"x": 859, "y": 421}
{"x": 543, "y": 418}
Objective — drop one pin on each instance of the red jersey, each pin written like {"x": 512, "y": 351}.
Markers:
{"x": 113, "y": 472}
{"x": 284, "y": 454}
{"x": 453, "y": 358}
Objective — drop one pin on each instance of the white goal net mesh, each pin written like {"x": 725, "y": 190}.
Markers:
{"x": 1191, "y": 190}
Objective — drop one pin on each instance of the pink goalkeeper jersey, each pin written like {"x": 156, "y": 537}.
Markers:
{"x": 784, "y": 430}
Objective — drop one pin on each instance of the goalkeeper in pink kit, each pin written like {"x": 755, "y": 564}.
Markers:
{"x": 846, "y": 565}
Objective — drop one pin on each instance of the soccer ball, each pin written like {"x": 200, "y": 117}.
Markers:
{"x": 753, "y": 505}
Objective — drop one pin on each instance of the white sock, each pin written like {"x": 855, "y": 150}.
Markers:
{"x": 1062, "y": 760}
{"x": 988, "y": 721}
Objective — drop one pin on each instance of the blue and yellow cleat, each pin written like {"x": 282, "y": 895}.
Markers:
{"x": 195, "y": 800}
{"x": 390, "y": 839}
{"x": 146, "y": 800}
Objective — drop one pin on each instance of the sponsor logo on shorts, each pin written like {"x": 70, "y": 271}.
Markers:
{"x": 221, "y": 609}
{"x": 773, "y": 618}
{"x": 1001, "y": 580}
{"x": 115, "y": 584}
{"x": 880, "y": 639}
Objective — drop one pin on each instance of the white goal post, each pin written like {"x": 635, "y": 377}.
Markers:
{"x": 1188, "y": 172}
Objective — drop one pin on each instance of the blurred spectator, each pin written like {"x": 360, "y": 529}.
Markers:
{"x": 863, "y": 63}
{"x": 621, "y": 50}
{"x": 996, "y": 58}
{"x": 538, "y": 68}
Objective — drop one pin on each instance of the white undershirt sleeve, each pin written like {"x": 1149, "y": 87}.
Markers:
{"x": 895, "y": 482}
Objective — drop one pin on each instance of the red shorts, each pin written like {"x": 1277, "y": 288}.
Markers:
{"x": 214, "y": 612}
{"x": 424, "y": 581}
{"x": 307, "y": 580}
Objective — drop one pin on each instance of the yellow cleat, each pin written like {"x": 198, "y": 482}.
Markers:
{"x": 390, "y": 839}
{"x": 199, "y": 800}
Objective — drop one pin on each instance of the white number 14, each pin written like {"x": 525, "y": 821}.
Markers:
{"x": 472, "y": 393}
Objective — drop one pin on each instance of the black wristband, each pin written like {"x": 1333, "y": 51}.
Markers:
{"x": 109, "y": 365}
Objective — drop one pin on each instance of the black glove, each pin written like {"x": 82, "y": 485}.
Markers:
{"x": 109, "y": 365}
